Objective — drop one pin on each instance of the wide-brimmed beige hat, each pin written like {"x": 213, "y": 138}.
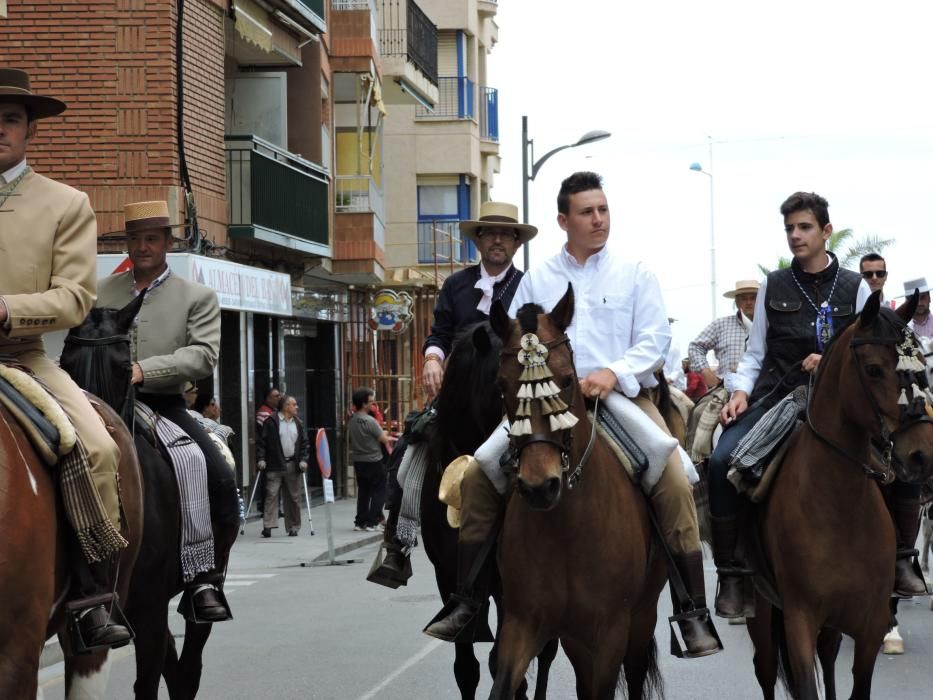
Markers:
{"x": 139, "y": 217}
{"x": 449, "y": 490}
{"x": 920, "y": 283}
{"x": 498, "y": 214}
{"x": 14, "y": 87}
{"x": 743, "y": 287}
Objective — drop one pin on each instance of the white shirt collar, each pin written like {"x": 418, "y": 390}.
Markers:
{"x": 14, "y": 172}
{"x": 495, "y": 278}
{"x": 285, "y": 418}
{"x": 155, "y": 283}
{"x": 597, "y": 257}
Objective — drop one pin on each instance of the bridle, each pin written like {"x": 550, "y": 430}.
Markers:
{"x": 912, "y": 412}
{"x": 128, "y": 400}
{"x": 518, "y": 443}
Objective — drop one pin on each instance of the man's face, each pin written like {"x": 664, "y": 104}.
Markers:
{"x": 805, "y": 238}
{"x": 746, "y": 304}
{"x": 586, "y": 221}
{"x": 870, "y": 270}
{"x": 212, "y": 410}
{"x": 272, "y": 398}
{"x": 15, "y": 133}
{"x": 147, "y": 250}
{"x": 497, "y": 245}
{"x": 923, "y": 306}
{"x": 290, "y": 408}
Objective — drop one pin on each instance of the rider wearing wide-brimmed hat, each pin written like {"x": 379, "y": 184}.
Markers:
{"x": 48, "y": 252}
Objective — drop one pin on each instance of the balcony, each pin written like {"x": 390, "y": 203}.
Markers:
{"x": 358, "y": 193}
{"x": 439, "y": 242}
{"x": 456, "y": 97}
{"x": 276, "y": 197}
{"x": 408, "y": 45}
{"x": 489, "y": 114}
{"x": 354, "y": 38}
{"x": 311, "y": 11}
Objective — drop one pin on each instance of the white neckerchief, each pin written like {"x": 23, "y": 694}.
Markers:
{"x": 746, "y": 321}
{"x": 13, "y": 172}
{"x": 485, "y": 283}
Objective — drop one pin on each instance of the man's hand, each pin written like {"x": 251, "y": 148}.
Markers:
{"x": 599, "y": 383}
{"x": 811, "y": 362}
{"x": 710, "y": 378}
{"x": 433, "y": 374}
{"x": 735, "y": 407}
{"x": 260, "y": 465}
{"x": 303, "y": 466}
{"x": 137, "y": 374}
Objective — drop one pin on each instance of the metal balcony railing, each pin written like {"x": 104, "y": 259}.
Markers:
{"x": 440, "y": 242}
{"x": 489, "y": 113}
{"x": 353, "y": 5}
{"x": 405, "y": 30}
{"x": 274, "y": 195}
{"x": 456, "y": 100}
{"x": 358, "y": 193}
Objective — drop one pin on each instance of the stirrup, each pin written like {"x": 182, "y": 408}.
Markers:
{"x": 386, "y": 576}
{"x": 75, "y": 610}
{"x": 701, "y": 616}
{"x": 188, "y": 610}
{"x": 475, "y": 630}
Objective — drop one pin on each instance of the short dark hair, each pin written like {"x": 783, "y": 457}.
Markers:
{"x": 807, "y": 201}
{"x": 871, "y": 257}
{"x": 282, "y": 401}
{"x": 361, "y": 396}
{"x": 202, "y": 401}
{"x": 582, "y": 181}
{"x": 269, "y": 392}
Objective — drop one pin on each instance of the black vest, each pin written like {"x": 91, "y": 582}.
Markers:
{"x": 792, "y": 323}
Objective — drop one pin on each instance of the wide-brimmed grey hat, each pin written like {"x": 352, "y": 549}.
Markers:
{"x": 14, "y": 87}
{"x": 919, "y": 283}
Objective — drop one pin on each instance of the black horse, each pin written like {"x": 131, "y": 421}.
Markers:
{"x": 97, "y": 355}
{"x": 469, "y": 407}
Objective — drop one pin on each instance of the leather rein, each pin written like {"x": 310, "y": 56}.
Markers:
{"x": 565, "y": 444}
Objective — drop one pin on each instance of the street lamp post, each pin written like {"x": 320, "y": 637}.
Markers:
{"x": 528, "y": 156}
{"x": 696, "y": 167}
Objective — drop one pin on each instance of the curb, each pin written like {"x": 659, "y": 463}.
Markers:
{"x": 349, "y": 547}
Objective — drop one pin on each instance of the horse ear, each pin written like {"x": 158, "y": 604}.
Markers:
{"x": 907, "y": 309}
{"x": 562, "y": 313}
{"x": 499, "y": 320}
{"x": 481, "y": 340}
{"x": 124, "y": 317}
{"x": 870, "y": 312}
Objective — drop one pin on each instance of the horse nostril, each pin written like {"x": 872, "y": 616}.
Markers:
{"x": 552, "y": 488}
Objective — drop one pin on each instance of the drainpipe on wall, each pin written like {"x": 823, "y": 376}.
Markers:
{"x": 193, "y": 235}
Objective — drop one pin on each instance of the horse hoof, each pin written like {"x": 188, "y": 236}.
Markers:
{"x": 893, "y": 643}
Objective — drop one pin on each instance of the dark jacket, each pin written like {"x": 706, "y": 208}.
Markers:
{"x": 269, "y": 446}
{"x": 792, "y": 323}
{"x": 456, "y": 304}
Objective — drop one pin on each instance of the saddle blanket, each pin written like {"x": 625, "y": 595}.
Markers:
{"x": 38, "y": 413}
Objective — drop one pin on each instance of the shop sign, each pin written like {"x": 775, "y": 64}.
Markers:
{"x": 391, "y": 311}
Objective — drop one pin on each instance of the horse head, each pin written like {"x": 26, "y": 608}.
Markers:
{"x": 539, "y": 383}
{"x": 884, "y": 368}
{"x": 97, "y": 356}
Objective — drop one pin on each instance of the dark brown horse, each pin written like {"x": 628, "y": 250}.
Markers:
{"x": 577, "y": 564}
{"x": 469, "y": 407}
{"x": 97, "y": 355}
{"x": 827, "y": 535}
{"x": 34, "y": 582}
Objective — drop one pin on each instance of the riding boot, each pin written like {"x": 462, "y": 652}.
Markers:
{"x": 908, "y": 581}
{"x": 456, "y": 622}
{"x": 395, "y": 569}
{"x": 730, "y": 595}
{"x": 97, "y": 621}
{"x": 696, "y": 626}
{"x": 203, "y": 600}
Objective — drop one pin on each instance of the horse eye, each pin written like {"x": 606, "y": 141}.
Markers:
{"x": 874, "y": 371}
{"x": 565, "y": 381}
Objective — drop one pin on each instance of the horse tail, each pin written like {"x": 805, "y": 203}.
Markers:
{"x": 779, "y": 639}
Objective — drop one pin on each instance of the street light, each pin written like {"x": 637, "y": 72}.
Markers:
{"x": 528, "y": 145}
{"x": 696, "y": 167}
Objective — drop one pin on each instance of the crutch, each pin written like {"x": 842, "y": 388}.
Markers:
{"x": 304, "y": 480}
{"x": 250, "y": 504}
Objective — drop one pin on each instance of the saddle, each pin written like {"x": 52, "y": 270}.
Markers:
{"x": 39, "y": 415}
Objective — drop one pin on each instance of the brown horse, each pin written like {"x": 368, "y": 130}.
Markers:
{"x": 34, "y": 582}
{"x": 578, "y": 566}
{"x": 827, "y": 535}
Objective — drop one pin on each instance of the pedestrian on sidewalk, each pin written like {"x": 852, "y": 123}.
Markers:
{"x": 367, "y": 438}
{"x": 282, "y": 454}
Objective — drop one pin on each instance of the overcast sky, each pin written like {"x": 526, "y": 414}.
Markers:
{"x": 824, "y": 96}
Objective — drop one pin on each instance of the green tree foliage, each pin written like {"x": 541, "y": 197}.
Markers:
{"x": 846, "y": 247}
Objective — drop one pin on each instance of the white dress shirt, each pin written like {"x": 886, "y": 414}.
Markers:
{"x": 619, "y": 318}
{"x": 13, "y": 172}
{"x": 749, "y": 367}
{"x": 288, "y": 435}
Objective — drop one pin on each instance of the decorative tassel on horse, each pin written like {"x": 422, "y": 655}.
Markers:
{"x": 537, "y": 385}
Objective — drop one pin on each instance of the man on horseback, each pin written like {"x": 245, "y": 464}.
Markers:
{"x": 620, "y": 336}
{"x": 922, "y": 322}
{"x": 797, "y": 313}
{"x": 465, "y": 298}
{"x": 726, "y": 336}
{"x": 176, "y": 339}
{"x": 48, "y": 250}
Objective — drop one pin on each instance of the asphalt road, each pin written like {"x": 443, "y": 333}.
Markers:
{"x": 326, "y": 634}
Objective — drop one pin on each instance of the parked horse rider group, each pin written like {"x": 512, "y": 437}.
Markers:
{"x": 48, "y": 254}
{"x": 620, "y": 336}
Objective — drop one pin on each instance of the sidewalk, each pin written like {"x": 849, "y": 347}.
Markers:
{"x": 254, "y": 553}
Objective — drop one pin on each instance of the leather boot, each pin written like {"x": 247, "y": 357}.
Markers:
{"x": 456, "y": 620}
{"x": 906, "y": 515}
{"x": 395, "y": 568}
{"x": 207, "y": 603}
{"x": 696, "y": 626}
{"x": 730, "y": 595}
{"x": 96, "y": 614}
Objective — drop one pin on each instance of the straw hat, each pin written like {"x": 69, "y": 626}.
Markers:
{"x": 14, "y": 87}
{"x": 919, "y": 283}
{"x": 743, "y": 287}
{"x": 145, "y": 216}
{"x": 498, "y": 215}
{"x": 449, "y": 491}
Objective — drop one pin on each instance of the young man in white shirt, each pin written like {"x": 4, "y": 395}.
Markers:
{"x": 620, "y": 336}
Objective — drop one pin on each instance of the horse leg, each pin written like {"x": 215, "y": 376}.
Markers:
{"x": 766, "y": 655}
{"x": 863, "y": 666}
{"x": 466, "y": 670}
{"x": 641, "y": 652}
{"x": 521, "y": 693}
{"x": 152, "y": 636}
{"x": 189, "y": 667}
{"x": 517, "y": 647}
{"x": 827, "y": 650}
{"x": 608, "y": 662}
{"x": 801, "y": 635}
{"x": 545, "y": 659}
{"x": 582, "y": 662}
{"x": 86, "y": 676}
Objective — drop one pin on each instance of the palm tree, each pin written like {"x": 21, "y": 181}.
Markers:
{"x": 846, "y": 247}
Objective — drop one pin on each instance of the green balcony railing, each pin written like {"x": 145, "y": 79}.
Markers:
{"x": 275, "y": 196}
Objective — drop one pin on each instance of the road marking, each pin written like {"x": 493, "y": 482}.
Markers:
{"x": 428, "y": 648}
{"x": 228, "y": 583}
{"x": 248, "y": 576}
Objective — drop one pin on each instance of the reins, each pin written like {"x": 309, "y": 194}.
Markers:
{"x": 128, "y": 399}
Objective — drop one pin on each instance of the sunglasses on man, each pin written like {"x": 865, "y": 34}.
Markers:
{"x": 880, "y": 274}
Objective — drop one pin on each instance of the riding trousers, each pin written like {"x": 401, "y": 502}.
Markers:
{"x": 671, "y": 498}
{"x": 723, "y": 498}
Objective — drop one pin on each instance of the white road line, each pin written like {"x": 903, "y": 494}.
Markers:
{"x": 236, "y": 576}
{"x": 228, "y": 583}
{"x": 429, "y": 647}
